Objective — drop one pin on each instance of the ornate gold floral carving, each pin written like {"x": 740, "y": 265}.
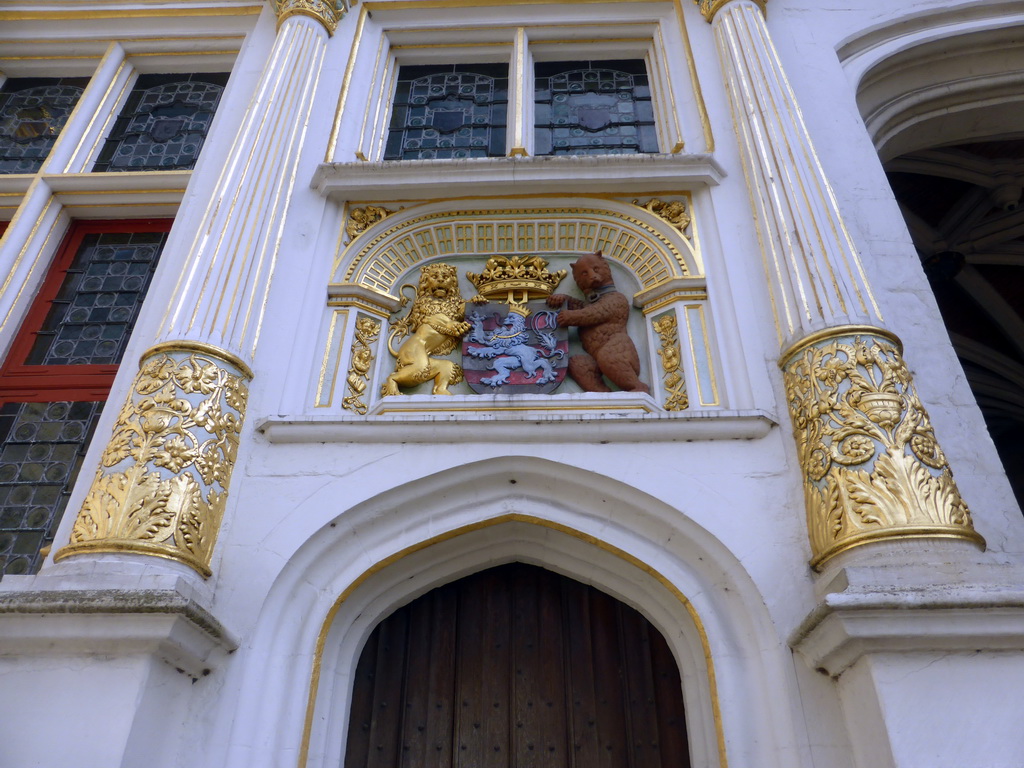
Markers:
{"x": 675, "y": 212}
{"x": 709, "y": 8}
{"x": 163, "y": 478}
{"x": 361, "y": 219}
{"x": 667, "y": 328}
{"x": 872, "y": 466}
{"x": 367, "y": 331}
{"x": 327, "y": 12}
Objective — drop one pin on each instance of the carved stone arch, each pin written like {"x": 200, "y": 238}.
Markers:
{"x": 651, "y": 248}
{"x": 386, "y": 552}
{"x": 653, "y": 245}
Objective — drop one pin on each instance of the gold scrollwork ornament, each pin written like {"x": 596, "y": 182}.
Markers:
{"x": 361, "y": 219}
{"x": 163, "y": 479}
{"x": 667, "y": 328}
{"x": 675, "y": 212}
{"x": 872, "y": 466}
{"x": 367, "y": 331}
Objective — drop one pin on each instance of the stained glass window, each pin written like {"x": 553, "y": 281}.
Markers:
{"x": 96, "y": 306}
{"x": 450, "y": 111}
{"x": 59, "y": 371}
{"x": 163, "y": 123}
{"x": 593, "y": 108}
{"x": 41, "y": 447}
{"x": 32, "y": 113}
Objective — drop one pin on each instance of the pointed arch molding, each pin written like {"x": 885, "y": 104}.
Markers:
{"x": 653, "y": 250}
{"x": 353, "y": 566}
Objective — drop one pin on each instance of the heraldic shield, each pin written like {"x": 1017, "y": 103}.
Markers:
{"x": 514, "y": 349}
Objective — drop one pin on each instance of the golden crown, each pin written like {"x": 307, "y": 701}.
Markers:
{"x": 516, "y": 279}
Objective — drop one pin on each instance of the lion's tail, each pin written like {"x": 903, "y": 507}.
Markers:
{"x": 457, "y": 374}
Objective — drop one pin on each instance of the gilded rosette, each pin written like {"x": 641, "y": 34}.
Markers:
{"x": 327, "y": 12}
{"x": 872, "y": 466}
{"x": 163, "y": 479}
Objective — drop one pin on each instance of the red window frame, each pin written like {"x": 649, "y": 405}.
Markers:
{"x": 20, "y": 382}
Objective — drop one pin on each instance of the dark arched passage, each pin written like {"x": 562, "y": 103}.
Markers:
{"x": 515, "y": 667}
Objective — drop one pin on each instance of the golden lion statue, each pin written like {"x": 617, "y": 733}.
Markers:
{"x": 437, "y": 323}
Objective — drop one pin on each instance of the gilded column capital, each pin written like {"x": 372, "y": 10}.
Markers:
{"x": 163, "y": 479}
{"x": 327, "y": 12}
{"x": 872, "y": 466}
{"x": 709, "y": 8}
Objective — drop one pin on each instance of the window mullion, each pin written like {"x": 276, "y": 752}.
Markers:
{"x": 96, "y": 110}
{"x": 520, "y": 97}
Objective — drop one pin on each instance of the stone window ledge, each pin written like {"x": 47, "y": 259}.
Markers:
{"x": 618, "y": 417}
{"x": 427, "y": 179}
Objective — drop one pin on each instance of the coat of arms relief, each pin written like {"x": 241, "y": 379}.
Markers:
{"x": 514, "y": 332}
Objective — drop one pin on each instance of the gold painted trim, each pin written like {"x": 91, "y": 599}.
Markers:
{"x": 835, "y": 332}
{"x": 132, "y": 548}
{"x": 198, "y": 346}
{"x": 663, "y": 250}
{"x": 518, "y": 152}
{"x": 691, "y": 67}
{"x": 330, "y": 346}
{"x": 406, "y": 5}
{"x": 515, "y": 408}
{"x": 708, "y": 357}
{"x": 177, "y": 11}
{"x": 346, "y": 83}
{"x": 514, "y": 517}
{"x": 905, "y": 533}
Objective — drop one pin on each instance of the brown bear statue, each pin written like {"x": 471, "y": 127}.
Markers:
{"x": 601, "y": 319}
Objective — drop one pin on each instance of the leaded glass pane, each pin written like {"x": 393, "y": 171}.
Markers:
{"x": 32, "y": 113}
{"x": 447, "y": 112}
{"x": 593, "y": 108}
{"x": 163, "y": 124}
{"x": 41, "y": 448}
{"x": 93, "y": 313}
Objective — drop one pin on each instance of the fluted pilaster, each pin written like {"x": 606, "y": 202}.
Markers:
{"x": 872, "y": 467}
{"x": 163, "y": 480}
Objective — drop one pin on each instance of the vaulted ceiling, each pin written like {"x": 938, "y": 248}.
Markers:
{"x": 963, "y": 205}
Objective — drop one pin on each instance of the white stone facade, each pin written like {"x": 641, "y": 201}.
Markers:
{"x": 903, "y": 652}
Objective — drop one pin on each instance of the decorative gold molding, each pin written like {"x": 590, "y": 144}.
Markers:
{"x": 709, "y": 8}
{"x": 163, "y": 479}
{"x": 327, "y": 12}
{"x": 667, "y": 328}
{"x": 654, "y": 254}
{"x": 367, "y": 331}
{"x": 872, "y": 467}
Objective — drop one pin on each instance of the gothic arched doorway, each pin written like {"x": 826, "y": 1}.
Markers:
{"x": 514, "y": 667}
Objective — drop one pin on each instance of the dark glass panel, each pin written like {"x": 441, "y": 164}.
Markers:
{"x": 593, "y": 108}
{"x": 163, "y": 123}
{"x": 41, "y": 448}
{"x": 90, "y": 319}
{"x": 32, "y": 113}
{"x": 450, "y": 111}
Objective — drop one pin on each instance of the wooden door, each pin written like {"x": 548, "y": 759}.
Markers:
{"x": 516, "y": 667}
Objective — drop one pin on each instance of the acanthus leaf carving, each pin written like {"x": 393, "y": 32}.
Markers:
{"x": 872, "y": 466}
{"x": 164, "y": 475}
